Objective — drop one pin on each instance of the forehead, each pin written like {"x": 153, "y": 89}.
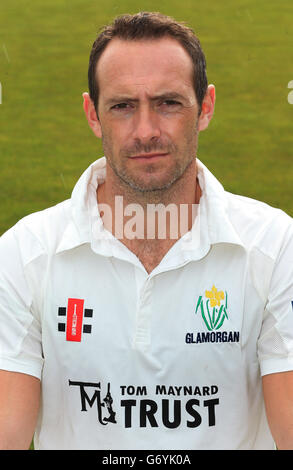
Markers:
{"x": 150, "y": 64}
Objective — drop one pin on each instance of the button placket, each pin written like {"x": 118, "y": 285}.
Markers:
{"x": 143, "y": 315}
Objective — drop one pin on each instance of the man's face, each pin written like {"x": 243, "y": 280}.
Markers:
{"x": 148, "y": 112}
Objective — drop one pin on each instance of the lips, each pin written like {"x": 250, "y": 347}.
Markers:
{"x": 149, "y": 156}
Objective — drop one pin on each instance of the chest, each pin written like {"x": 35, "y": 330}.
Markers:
{"x": 102, "y": 304}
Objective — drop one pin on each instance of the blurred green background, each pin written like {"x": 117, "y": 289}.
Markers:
{"x": 45, "y": 141}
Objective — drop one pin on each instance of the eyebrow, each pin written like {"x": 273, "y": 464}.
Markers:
{"x": 162, "y": 96}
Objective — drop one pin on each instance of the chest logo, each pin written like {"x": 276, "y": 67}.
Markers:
{"x": 74, "y": 325}
{"x": 213, "y": 308}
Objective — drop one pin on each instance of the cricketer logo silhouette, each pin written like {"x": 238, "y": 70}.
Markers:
{"x": 213, "y": 308}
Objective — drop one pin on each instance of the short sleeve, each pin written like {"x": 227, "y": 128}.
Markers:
{"x": 275, "y": 344}
{"x": 20, "y": 329}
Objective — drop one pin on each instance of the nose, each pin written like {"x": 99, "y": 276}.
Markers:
{"x": 146, "y": 125}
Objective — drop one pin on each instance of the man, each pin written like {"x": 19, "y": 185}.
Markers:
{"x": 121, "y": 333}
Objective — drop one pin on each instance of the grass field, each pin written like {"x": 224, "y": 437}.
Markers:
{"x": 45, "y": 142}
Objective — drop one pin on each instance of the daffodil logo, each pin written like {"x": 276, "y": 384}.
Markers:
{"x": 214, "y": 309}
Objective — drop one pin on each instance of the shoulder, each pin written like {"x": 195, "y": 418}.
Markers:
{"x": 36, "y": 234}
{"x": 258, "y": 224}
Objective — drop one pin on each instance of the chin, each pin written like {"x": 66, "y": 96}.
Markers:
{"x": 144, "y": 186}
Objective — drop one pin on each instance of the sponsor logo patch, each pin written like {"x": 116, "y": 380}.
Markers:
{"x": 75, "y": 314}
{"x": 148, "y": 406}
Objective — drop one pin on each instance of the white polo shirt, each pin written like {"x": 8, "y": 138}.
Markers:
{"x": 167, "y": 360}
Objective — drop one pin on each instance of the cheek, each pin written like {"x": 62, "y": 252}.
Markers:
{"x": 183, "y": 130}
{"x": 107, "y": 142}
{"x": 107, "y": 133}
{"x": 191, "y": 134}
{"x": 113, "y": 132}
{"x": 191, "y": 129}
{"x": 113, "y": 142}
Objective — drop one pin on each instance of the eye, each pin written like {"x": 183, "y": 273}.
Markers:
{"x": 169, "y": 105}
{"x": 120, "y": 106}
{"x": 171, "y": 102}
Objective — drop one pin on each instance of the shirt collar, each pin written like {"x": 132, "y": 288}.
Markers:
{"x": 212, "y": 226}
{"x": 215, "y": 205}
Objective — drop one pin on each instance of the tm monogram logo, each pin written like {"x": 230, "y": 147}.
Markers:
{"x": 107, "y": 401}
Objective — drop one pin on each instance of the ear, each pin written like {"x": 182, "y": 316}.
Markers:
{"x": 91, "y": 115}
{"x": 207, "y": 109}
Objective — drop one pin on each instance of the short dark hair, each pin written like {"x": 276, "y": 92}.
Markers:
{"x": 149, "y": 25}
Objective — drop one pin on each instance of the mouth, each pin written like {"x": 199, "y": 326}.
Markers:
{"x": 149, "y": 156}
